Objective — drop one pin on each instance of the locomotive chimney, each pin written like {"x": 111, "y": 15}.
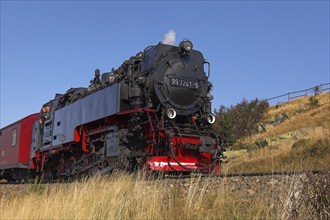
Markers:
{"x": 97, "y": 73}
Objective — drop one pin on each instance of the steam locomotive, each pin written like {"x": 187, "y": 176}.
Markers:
{"x": 152, "y": 113}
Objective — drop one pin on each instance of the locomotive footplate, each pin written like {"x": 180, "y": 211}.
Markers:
{"x": 166, "y": 163}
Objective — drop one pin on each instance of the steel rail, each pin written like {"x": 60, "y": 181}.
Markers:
{"x": 228, "y": 175}
{"x": 161, "y": 176}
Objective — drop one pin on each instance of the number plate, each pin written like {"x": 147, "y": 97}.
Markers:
{"x": 184, "y": 83}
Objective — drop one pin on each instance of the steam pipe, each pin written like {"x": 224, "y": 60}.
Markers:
{"x": 209, "y": 68}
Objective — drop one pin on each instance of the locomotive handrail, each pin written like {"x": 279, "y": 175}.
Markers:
{"x": 208, "y": 69}
{"x": 147, "y": 48}
{"x": 135, "y": 110}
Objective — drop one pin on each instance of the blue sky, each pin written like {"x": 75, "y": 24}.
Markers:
{"x": 256, "y": 48}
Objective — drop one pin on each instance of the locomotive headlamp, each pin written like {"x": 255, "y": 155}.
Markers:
{"x": 211, "y": 119}
{"x": 112, "y": 79}
{"x": 171, "y": 113}
{"x": 185, "y": 46}
{"x": 209, "y": 96}
{"x": 208, "y": 118}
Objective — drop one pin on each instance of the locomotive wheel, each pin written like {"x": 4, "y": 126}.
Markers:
{"x": 123, "y": 163}
{"x": 147, "y": 173}
{"x": 39, "y": 177}
{"x": 11, "y": 180}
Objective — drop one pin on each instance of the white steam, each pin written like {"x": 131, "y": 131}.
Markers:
{"x": 169, "y": 38}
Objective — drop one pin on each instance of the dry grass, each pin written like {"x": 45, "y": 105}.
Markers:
{"x": 299, "y": 104}
{"x": 308, "y": 129}
{"x": 121, "y": 197}
{"x": 305, "y": 154}
{"x": 127, "y": 197}
{"x": 317, "y": 117}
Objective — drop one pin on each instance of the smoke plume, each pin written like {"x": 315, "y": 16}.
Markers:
{"x": 169, "y": 38}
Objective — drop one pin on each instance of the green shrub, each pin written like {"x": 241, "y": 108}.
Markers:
{"x": 239, "y": 121}
{"x": 313, "y": 101}
{"x": 306, "y": 148}
{"x": 301, "y": 143}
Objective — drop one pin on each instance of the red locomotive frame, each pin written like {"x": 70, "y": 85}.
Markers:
{"x": 178, "y": 160}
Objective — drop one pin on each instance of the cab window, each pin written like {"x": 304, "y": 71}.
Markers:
{"x": 14, "y": 137}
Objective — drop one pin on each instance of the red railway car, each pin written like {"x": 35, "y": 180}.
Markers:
{"x": 15, "y": 144}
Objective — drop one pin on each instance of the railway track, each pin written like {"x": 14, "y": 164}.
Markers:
{"x": 198, "y": 175}
{"x": 284, "y": 173}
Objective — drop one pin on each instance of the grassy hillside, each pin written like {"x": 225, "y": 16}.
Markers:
{"x": 293, "y": 136}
